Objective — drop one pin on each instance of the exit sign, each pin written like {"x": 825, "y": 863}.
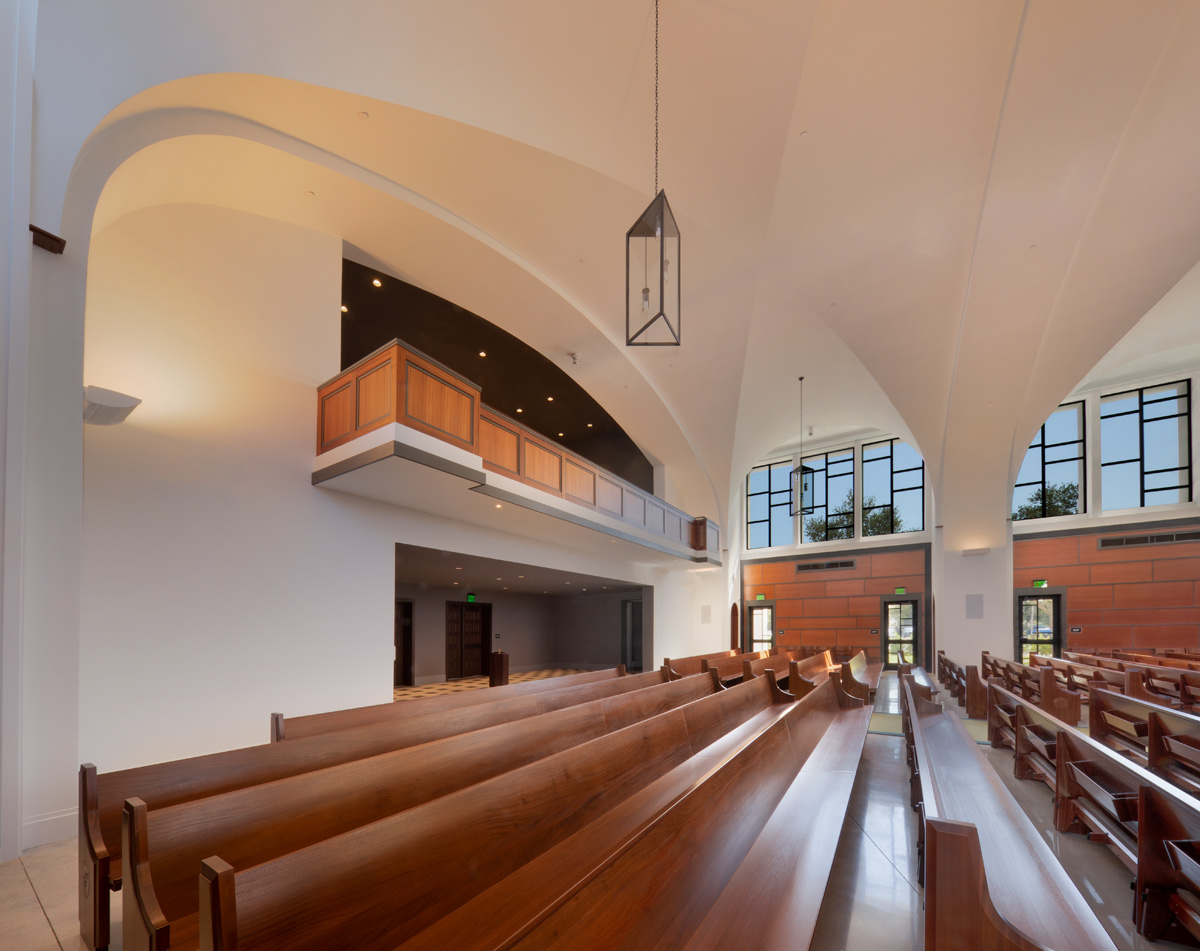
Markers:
{"x": 471, "y": 597}
{"x": 760, "y": 597}
{"x": 1039, "y": 583}
{"x": 902, "y": 591}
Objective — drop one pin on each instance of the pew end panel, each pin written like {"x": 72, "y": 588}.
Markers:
{"x": 95, "y": 865}
{"x": 144, "y": 926}
{"x": 1168, "y": 872}
{"x": 218, "y": 906}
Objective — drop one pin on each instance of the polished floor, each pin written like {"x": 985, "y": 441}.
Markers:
{"x": 872, "y": 903}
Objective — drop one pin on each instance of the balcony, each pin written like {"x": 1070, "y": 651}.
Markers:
{"x": 402, "y": 428}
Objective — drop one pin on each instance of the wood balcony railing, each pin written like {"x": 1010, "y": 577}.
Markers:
{"x": 397, "y": 384}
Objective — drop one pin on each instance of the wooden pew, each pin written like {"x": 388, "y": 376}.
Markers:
{"x": 858, "y": 670}
{"x": 687, "y": 875}
{"x": 729, "y": 669}
{"x": 1028, "y": 730}
{"x": 684, "y": 666}
{"x": 316, "y": 723}
{"x": 1165, "y": 741}
{"x": 1039, "y": 684}
{"x": 165, "y": 784}
{"x": 812, "y": 671}
{"x": 1168, "y": 866}
{"x": 990, "y": 880}
{"x": 778, "y": 662}
{"x": 965, "y": 684}
{"x": 377, "y": 886}
{"x": 164, "y": 848}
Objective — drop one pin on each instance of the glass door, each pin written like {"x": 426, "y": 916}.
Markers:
{"x": 1038, "y": 632}
{"x": 900, "y": 633}
{"x": 761, "y": 629}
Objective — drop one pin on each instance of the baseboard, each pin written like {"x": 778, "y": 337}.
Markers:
{"x": 49, "y": 827}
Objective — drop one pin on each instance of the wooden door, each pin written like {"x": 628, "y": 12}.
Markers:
{"x": 402, "y": 666}
{"x": 468, "y": 633}
{"x": 474, "y": 646}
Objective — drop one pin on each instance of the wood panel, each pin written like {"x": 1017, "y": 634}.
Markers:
{"x": 543, "y": 466}
{"x": 499, "y": 445}
{"x": 655, "y": 518}
{"x": 438, "y": 404}
{"x": 376, "y": 392}
{"x": 609, "y": 496}
{"x": 635, "y": 507}
{"x": 337, "y": 416}
{"x": 579, "y": 483}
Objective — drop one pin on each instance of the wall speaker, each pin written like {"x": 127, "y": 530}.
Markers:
{"x": 103, "y": 407}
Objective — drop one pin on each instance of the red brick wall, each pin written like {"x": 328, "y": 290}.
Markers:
{"x": 838, "y": 607}
{"x": 1145, "y": 596}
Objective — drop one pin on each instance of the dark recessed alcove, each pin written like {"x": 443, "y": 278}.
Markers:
{"x": 512, "y": 376}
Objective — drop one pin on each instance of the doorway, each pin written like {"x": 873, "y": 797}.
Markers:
{"x": 899, "y": 633}
{"x": 468, "y": 633}
{"x": 1039, "y": 628}
{"x": 760, "y": 626}
{"x": 631, "y": 635}
{"x": 402, "y": 665}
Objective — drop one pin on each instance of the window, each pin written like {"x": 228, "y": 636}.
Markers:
{"x": 1145, "y": 447}
{"x": 893, "y": 488}
{"x": 832, "y": 516}
{"x": 768, "y": 505}
{"x": 1051, "y": 480}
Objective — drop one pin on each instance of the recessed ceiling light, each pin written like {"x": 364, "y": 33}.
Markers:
{"x": 499, "y": 579}
{"x": 520, "y": 576}
{"x": 458, "y": 569}
{"x": 585, "y": 589}
{"x": 483, "y": 353}
{"x": 519, "y": 410}
{"x": 498, "y": 505}
{"x": 456, "y": 582}
{"x": 345, "y": 309}
{"x": 566, "y": 582}
{"x": 549, "y": 399}
{"x": 377, "y": 282}
{"x": 589, "y": 425}
{"x": 560, "y": 434}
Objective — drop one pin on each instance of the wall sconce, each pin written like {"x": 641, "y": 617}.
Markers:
{"x": 103, "y": 407}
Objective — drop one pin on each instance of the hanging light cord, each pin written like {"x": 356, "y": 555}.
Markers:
{"x": 656, "y": 97}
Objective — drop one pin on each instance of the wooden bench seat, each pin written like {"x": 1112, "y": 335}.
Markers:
{"x": 163, "y": 784}
{"x": 317, "y": 723}
{"x": 778, "y": 662}
{"x": 377, "y": 886}
{"x": 990, "y": 880}
{"x": 164, "y": 847}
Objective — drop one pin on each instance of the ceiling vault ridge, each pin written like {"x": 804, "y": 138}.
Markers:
{"x": 1017, "y": 452}
{"x": 966, "y": 300}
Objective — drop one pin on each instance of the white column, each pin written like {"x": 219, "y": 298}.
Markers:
{"x": 18, "y": 20}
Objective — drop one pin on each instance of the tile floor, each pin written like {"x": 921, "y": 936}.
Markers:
{"x": 872, "y": 901}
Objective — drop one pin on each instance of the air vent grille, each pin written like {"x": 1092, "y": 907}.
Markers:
{"x": 1134, "y": 541}
{"x": 823, "y": 565}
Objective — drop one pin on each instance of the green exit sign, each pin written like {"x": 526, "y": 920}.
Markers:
{"x": 902, "y": 591}
{"x": 1039, "y": 583}
{"x": 760, "y": 597}
{"x": 470, "y": 597}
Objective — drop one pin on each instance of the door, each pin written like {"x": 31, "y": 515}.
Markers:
{"x": 760, "y": 628}
{"x": 468, "y": 632}
{"x": 631, "y": 635}
{"x": 402, "y": 666}
{"x": 899, "y": 633}
{"x": 1038, "y": 630}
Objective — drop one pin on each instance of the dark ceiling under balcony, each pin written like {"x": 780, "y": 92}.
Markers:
{"x": 513, "y": 377}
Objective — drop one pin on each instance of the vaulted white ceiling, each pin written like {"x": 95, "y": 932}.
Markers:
{"x": 942, "y": 214}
